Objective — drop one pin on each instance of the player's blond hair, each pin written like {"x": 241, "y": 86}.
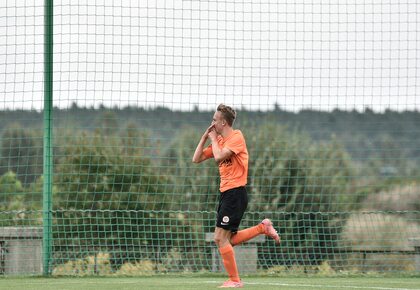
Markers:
{"x": 228, "y": 113}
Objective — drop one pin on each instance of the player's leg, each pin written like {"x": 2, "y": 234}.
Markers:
{"x": 247, "y": 234}
{"x": 265, "y": 227}
{"x": 221, "y": 238}
{"x": 231, "y": 209}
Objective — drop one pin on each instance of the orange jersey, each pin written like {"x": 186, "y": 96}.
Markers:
{"x": 234, "y": 170}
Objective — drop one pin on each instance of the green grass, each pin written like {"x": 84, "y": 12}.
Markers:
{"x": 185, "y": 282}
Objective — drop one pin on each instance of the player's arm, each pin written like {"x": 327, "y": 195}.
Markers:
{"x": 199, "y": 155}
{"x": 219, "y": 154}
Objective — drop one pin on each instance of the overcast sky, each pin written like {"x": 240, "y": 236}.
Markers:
{"x": 180, "y": 54}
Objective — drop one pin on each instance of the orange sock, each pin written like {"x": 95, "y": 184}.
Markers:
{"x": 228, "y": 256}
{"x": 247, "y": 234}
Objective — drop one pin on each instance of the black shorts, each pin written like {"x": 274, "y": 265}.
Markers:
{"x": 232, "y": 206}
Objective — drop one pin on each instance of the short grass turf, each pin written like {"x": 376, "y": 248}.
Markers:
{"x": 184, "y": 283}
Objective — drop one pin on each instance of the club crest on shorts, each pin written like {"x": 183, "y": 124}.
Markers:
{"x": 225, "y": 219}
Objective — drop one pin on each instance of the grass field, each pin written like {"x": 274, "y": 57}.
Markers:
{"x": 175, "y": 283}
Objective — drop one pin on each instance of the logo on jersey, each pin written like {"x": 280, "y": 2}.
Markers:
{"x": 226, "y": 162}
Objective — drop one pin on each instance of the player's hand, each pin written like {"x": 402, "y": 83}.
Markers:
{"x": 212, "y": 134}
{"x": 208, "y": 130}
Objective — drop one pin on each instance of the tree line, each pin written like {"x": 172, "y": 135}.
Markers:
{"x": 126, "y": 185}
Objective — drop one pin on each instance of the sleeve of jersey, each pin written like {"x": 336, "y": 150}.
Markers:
{"x": 208, "y": 152}
{"x": 236, "y": 143}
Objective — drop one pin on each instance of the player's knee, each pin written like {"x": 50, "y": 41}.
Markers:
{"x": 217, "y": 240}
{"x": 221, "y": 241}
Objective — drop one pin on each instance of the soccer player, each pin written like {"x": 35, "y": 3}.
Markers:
{"x": 228, "y": 148}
